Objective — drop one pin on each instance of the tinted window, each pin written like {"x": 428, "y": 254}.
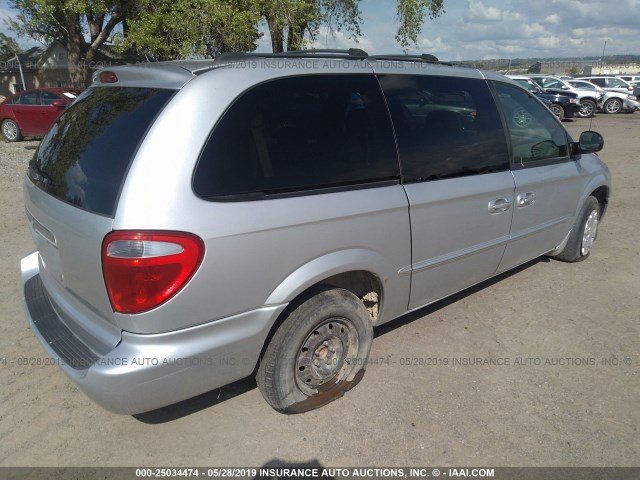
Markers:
{"x": 29, "y": 98}
{"x": 446, "y": 127}
{"x": 616, "y": 83}
{"x": 84, "y": 157}
{"x": 296, "y": 134}
{"x": 48, "y": 98}
{"x": 535, "y": 133}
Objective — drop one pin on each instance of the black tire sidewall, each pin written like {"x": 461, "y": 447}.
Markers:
{"x": 276, "y": 375}
{"x": 593, "y": 108}
{"x": 572, "y": 251}
{"x": 19, "y": 134}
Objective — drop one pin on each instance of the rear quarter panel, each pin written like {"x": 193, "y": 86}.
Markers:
{"x": 257, "y": 252}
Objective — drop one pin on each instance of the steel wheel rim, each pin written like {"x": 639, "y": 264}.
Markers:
{"x": 10, "y": 130}
{"x": 586, "y": 109}
{"x": 613, "y": 106}
{"x": 589, "y": 233}
{"x": 326, "y": 355}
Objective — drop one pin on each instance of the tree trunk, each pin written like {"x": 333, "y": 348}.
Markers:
{"x": 75, "y": 61}
{"x": 277, "y": 35}
{"x": 296, "y": 37}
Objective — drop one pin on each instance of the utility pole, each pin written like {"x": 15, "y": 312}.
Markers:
{"x": 602, "y": 58}
{"x": 24, "y": 85}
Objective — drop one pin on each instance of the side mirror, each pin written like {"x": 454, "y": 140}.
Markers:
{"x": 58, "y": 104}
{"x": 590, "y": 142}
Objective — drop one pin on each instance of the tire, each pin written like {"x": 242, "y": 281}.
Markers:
{"x": 613, "y": 105}
{"x": 11, "y": 131}
{"x": 583, "y": 233}
{"x": 557, "y": 110}
{"x": 318, "y": 353}
{"x": 587, "y": 108}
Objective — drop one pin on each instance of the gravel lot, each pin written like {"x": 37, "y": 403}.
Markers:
{"x": 568, "y": 396}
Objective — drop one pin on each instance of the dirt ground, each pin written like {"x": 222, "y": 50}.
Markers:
{"x": 565, "y": 394}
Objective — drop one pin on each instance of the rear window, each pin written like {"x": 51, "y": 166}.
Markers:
{"x": 85, "y": 156}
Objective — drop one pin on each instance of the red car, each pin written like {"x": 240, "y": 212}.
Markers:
{"x": 32, "y": 112}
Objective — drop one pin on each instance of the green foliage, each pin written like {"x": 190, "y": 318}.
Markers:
{"x": 8, "y": 48}
{"x": 172, "y": 29}
{"x": 70, "y": 21}
{"x": 411, "y": 14}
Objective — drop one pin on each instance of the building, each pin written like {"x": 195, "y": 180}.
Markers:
{"x": 48, "y": 67}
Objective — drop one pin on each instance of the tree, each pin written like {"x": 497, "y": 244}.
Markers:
{"x": 8, "y": 48}
{"x": 290, "y": 20}
{"x": 411, "y": 14}
{"x": 69, "y": 21}
{"x": 171, "y": 29}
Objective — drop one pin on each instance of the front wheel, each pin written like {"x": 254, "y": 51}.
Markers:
{"x": 318, "y": 353}
{"x": 583, "y": 233}
{"x": 613, "y": 105}
{"x": 11, "y": 131}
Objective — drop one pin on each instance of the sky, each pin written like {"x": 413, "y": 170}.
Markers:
{"x": 487, "y": 29}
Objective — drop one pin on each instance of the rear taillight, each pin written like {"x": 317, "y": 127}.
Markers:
{"x": 144, "y": 269}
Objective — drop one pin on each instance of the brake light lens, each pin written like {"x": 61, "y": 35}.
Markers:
{"x": 108, "y": 77}
{"x": 142, "y": 270}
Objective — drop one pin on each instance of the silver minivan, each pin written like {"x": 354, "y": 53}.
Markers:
{"x": 197, "y": 222}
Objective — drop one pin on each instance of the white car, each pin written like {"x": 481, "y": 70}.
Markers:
{"x": 588, "y": 100}
{"x": 621, "y": 99}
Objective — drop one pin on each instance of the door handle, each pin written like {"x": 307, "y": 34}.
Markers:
{"x": 525, "y": 199}
{"x": 500, "y": 205}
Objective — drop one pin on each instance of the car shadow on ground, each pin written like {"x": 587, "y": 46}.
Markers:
{"x": 219, "y": 395}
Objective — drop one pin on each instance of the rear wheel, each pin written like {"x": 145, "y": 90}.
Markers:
{"x": 613, "y": 105}
{"x": 587, "y": 108}
{"x": 11, "y": 131}
{"x": 318, "y": 353}
{"x": 557, "y": 110}
{"x": 583, "y": 233}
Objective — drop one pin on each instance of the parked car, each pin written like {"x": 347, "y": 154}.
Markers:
{"x": 588, "y": 100}
{"x": 623, "y": 101}
{"x": 611, "y": 84}
{"x": 612, "y": 101}
{"x": 303, "y": 206}
{"x": 636, "y": 88}
{"x": 630, "y": 78}
{"x": 598, "y": 92}
{"x": 563, "y": 105}
{"x": 32, "y": 112}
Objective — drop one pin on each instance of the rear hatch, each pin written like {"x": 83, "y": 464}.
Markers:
{"x": 72, "y": 189}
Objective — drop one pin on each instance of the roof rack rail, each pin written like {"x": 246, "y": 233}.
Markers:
{"x": 425, "y": 58}
{"x": 352, "y": 53}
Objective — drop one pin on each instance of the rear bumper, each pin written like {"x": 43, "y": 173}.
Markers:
{"x": 145, "y": 372}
